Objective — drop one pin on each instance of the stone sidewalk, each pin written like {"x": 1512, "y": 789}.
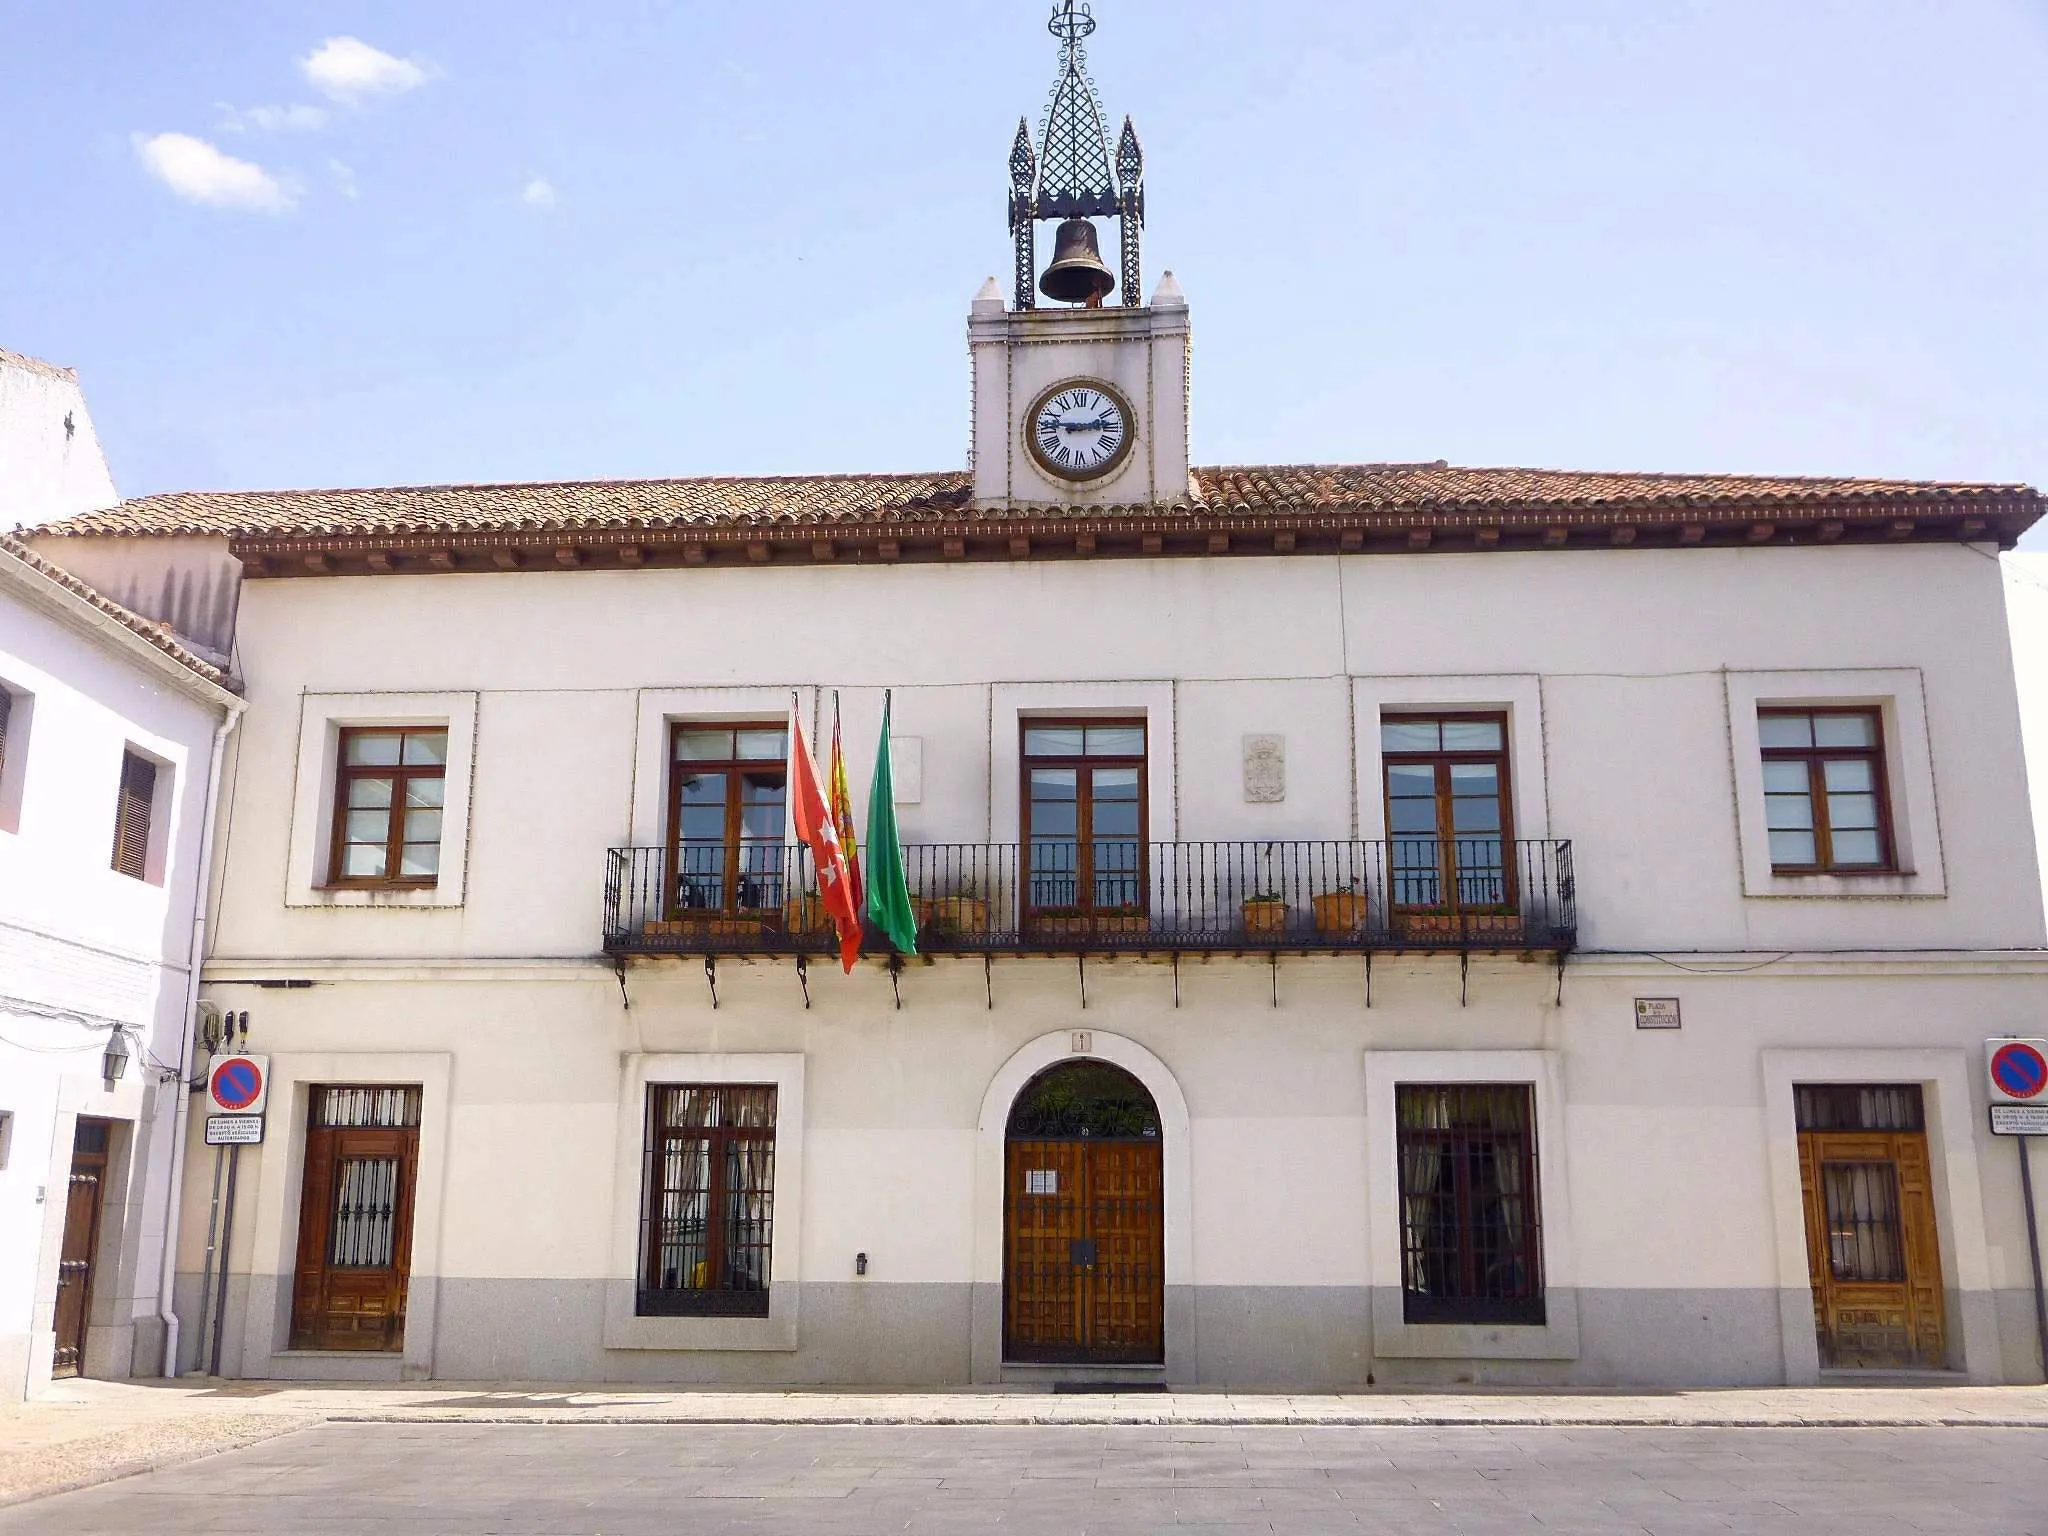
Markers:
{"x": 87, "y": 1432}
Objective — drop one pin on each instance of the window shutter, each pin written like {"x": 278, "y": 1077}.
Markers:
{"x": 131, "y": 817}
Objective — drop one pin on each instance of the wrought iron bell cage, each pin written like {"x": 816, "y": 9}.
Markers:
{"x": 1070, "y": 173}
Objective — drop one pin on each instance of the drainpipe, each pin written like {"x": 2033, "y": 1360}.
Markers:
{"x": 202, "y": 893}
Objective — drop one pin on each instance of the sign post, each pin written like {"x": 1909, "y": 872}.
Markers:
{"x": 237, "y": 1088}
{"x": 2018, "y": 1071}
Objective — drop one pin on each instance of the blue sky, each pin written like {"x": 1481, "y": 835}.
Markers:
{"x": 1684, "y": 234}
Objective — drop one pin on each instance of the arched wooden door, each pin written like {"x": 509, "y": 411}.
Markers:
{"x": 1084, "y": 1220}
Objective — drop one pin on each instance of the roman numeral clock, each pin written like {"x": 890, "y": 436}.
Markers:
{"x": 1080, "y": 429}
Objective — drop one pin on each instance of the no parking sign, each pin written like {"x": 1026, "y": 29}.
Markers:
{"x": 2018, "y": 1073}
{"x": 238, "y": 1085}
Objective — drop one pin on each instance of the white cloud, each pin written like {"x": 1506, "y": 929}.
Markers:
{"x": 538, "y": 193}
{"x": 344, "y": 179}
{"x": 349, "y": 70}
{"x": 200, "y": 173}
{"x": 300, "y": 117}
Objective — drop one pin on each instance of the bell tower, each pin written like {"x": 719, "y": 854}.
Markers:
{"x": 1083, "y": 403}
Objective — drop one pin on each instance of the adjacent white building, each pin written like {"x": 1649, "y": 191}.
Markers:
{"x": 51, "y": 465}
{"x": 108, "y": 735}
{"x": 1378, "y": 923}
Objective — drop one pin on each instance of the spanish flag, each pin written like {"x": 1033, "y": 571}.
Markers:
{"x": 842, "y": 814}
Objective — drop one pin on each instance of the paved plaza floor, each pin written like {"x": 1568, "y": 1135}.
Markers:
{"x": 448, "y": 1479}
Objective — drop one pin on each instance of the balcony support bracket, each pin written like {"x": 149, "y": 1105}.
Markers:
{"x": 1464, "y": 970}
{"x": 1273, "y": 963}
{"x": 619, "y": 968}
{"x": 896, "y": 977}
{"x": 988, "y": 978}
{"x": 1368, "y": 978}
{"x": 711, "y": 979}
{"x": 803, "y": 979}
{"x": 1561, "y": 955}
{"x": 1176, "y": 979}
{"x": 1081, "y": 973}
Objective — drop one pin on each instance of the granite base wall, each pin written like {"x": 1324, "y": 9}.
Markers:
{"x": 1302, "y": 1338}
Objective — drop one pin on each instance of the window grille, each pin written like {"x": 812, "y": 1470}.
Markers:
{"x": 364, "y": 1233}
{"x": 1470, "y": 1233}
{"x": 366, "y": 1108}
{"x": 131, "y": 816}
{"x": 1859, "y": 1107}
{"x": 1864, "y": 1240}
{"x": 707, "y": 1225}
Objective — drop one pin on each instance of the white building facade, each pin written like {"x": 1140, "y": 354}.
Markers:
{"x": 1389, "y": 924}
{"x": 108, "y": 735}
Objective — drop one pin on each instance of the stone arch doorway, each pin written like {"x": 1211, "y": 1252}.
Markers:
{"x": 1084, "y": 1219}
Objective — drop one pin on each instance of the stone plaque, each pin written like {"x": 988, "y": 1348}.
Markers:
{"x": 1657, "y": 1013}
{"x": 1265, "y": 770}
{"x": 906, "y": 769}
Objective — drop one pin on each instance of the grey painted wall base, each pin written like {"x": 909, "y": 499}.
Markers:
{"x": 855, "y": 1333}
{"x": 2017, "y": 1332}
{"x": 1281, "y": 1336}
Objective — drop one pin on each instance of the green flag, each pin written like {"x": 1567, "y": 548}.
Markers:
{"x": 888, "y": 890}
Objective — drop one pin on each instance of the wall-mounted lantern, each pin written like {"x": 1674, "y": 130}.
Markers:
{"x": 114, "y": 1062}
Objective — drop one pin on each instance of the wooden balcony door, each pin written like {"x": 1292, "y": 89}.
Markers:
{"x": 1084, "y": 1251}
{"x": 82, "y": 1203}
{"x": 355, "y": 1219}
{"x": 1872, "y": 1249}
{"x": 1450, "y": 825}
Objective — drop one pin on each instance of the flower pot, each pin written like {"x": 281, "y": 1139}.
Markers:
{"x": 1085, "y": 925}
{"x": 805, "y": 914}
{"x": 1461, "y": 927}
{"x": 955, "y": 914}
{"x": 1264, "y": 916}
{"x": 696, "y": 927}
{"x": 1339, "y": 911}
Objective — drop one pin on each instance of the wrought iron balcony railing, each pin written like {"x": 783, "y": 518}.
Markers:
{"x": 1063, "y": 897}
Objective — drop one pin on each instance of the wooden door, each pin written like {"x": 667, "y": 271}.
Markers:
{"x": 355, "y": 1228}
{"x": 81, "y": 1241}
{"x": 1084, "y": 1267}
{"x": 1872, "y": 1251}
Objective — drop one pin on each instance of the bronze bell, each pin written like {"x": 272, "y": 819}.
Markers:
{"x": 1077, "y": 274}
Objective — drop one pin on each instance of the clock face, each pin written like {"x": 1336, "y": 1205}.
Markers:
{"x": 1079, "y": 430}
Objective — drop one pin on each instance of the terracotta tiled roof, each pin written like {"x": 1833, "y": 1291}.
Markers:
{"x": 15, "y": 551}
{"x": 826, "y": 500}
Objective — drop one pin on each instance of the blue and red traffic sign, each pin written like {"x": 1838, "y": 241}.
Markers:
{"x": 2019, "y": 1071}
{"x": 238, "y": 1084}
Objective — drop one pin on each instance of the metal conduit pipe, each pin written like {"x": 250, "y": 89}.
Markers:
{"x": 202, "y": 891}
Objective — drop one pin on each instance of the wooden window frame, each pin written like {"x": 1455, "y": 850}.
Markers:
{"x": 1816, "y": 758}
{"x": 1469, "y": 1304}
{"x": 134, "y": 813}
{"x": 1084, "y": 807}
{"x": 400, "y": 774}
{"x": 720, "y": 1301}
{"x": 672, "y": 907}
{"x": 1442, "y": 760}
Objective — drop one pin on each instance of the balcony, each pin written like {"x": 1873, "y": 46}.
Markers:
{"x": 1403, "y": 895}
